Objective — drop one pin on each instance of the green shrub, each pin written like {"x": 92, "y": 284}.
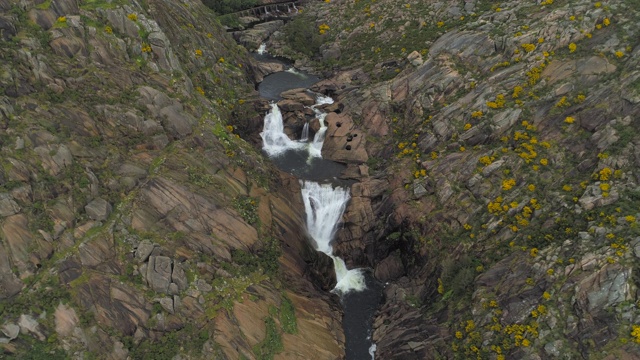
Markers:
{"x": 229, "y": 6}
{"x": 272, "y": 343}
{"x": 302, "y": 35}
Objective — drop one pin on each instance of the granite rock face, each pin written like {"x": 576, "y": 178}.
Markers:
{"x": 123, "y": 226}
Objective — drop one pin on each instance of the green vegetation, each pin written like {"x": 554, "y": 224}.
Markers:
{"x": 229, "y": 6}
{"x": 188, "y": 340}
{"x": 302, "y": 35}
{"x": 272, "y": 343}
{"x": 38, "y": 351}
{"x": 288, "y": 316}
{"x": 264, "y": 259}
{"x": 248, "y": 208}
{"x": 48, "y": 292}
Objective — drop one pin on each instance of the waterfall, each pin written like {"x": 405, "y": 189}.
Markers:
{"x": 305, "y": 132}
{"x": 324, "y": 206}
{"x": 315, "y": 148}
{"x": 274, "y": 140}
{"x": 261, "y": 50}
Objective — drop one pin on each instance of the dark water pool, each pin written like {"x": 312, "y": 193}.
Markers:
{"x": 359, "y": 308}
{"x": 298, "y": 163}
{"x": 274, "y": 84}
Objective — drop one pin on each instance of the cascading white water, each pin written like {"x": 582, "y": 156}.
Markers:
{"x": 324, "y": 206}
{"x": 295, "y": 71}
{"x": 315, "y": 149}
{"x": 261, "y": 49}
{"x": 274, "y": 140}
{"x": 304, "y": 137}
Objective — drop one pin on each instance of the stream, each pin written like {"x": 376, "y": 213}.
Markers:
{"x": 325, "y": 198}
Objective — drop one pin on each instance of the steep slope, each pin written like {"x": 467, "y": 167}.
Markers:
{"x": 498, "y": 159}
{"x": 134, "y": 221}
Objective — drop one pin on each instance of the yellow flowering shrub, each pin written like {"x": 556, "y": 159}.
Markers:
{"x": 528, "y": 47}
{"x": 476, "y": 114}
{"x": 516, "y": 91}
{"x": 562, "y": 102}
{"x": 486, "y": 160}
{"x": 498, "y": 103}
{"x": 604, "y": 174}
{"x": 572, "y": 47}
{"x": 323, "y": 28}
{"x": 507, "y": 184}
{"x": 635, "y": 334}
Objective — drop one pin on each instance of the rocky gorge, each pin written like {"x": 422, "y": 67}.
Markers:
{"x": 490, "y": 146}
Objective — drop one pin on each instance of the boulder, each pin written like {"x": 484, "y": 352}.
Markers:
{"x": 69, "y": 46}
{"x": 177, "y": 123}
{"x": 262, "y": 69}
{"x": 29, "y": 325}
{"x": 19, "y": 240}
{"x": 66, "y": 320}
{"x": 604, "y": 289}
{"x": 7, "y": 205}
{"x": 144, "y": 250}
{"x": 158, "y": 273}
{"x": 343, "y": 141}
{"x": 10, "y": 330}
{"x": 389, "y": 269}
{"x": 7, "y": 28}
{"x": 298, "y": 95}
{"x": 99, "y": 209}
{"x": 290, "y": 105}
{"x": 179, "y": 277}
{"x": 54, "y": 158}
{"x": 9, "y": 283}
{"x": 98, "y": 252}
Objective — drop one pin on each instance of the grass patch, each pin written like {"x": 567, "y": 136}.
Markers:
{"x": 288, "y": 319}
{"x": 272, "y": 343}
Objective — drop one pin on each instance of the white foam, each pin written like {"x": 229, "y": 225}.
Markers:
{"x": 274, "y": 140}
{"x": 372, "y": 351}
{"x": 324, "y": 206}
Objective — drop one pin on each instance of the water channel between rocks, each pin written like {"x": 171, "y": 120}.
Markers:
{"x": 325, "y": 198}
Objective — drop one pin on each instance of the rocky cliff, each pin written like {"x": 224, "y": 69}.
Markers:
{"x": 134, "y": 221}
{"x": 497, "y": 157}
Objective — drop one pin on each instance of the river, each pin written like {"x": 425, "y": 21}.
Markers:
{"x": 325, "y": 197}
